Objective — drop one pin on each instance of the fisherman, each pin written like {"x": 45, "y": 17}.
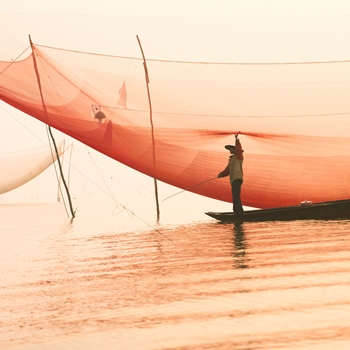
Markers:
{"x": 234, "y": 169}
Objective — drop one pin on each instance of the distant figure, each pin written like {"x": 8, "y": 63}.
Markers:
{"x": 235, "y": 170}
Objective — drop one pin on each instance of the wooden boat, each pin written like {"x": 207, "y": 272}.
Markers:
{"x": 305, "y": 211}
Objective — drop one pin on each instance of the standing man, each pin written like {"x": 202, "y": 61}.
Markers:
{"x": 234, "y": 169}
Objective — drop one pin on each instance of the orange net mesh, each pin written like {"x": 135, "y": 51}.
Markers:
{"x": 293, "y": 119}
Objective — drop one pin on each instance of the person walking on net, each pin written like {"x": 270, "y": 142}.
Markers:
{"x": 234, "y": 169}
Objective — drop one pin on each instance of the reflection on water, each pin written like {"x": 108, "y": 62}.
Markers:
{"x": 213, "y": 286}
{"x": 240, "y": 246}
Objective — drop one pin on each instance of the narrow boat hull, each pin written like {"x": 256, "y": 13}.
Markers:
{"x": 318, "y": 211}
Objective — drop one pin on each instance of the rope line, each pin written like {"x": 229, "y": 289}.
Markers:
{"x": 118, "y": 204}
{"x": 201, "y": 62}
{"x": 13, "y": 61}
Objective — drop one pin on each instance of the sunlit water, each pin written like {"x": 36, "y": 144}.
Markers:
{"x": 99, "y": 284}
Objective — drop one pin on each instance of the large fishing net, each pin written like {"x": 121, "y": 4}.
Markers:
{"x": 293, "y": 119}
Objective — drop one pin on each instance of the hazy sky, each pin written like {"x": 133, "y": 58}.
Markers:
{"x": 222, "y": 8}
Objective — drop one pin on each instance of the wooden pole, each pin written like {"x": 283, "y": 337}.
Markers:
{"x": 54, "y": 143}
{"x": 151, "y": 120}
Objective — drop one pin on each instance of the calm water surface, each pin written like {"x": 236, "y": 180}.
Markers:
{"x": 94, "y": 284}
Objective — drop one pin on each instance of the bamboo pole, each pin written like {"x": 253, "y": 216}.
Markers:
{"x": 152, "y": 127}
{"x": 54, "y": 143}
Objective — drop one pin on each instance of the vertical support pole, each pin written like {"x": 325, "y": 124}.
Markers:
{"x": 151, "y": 121}
{"x": 54, "y": 143}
